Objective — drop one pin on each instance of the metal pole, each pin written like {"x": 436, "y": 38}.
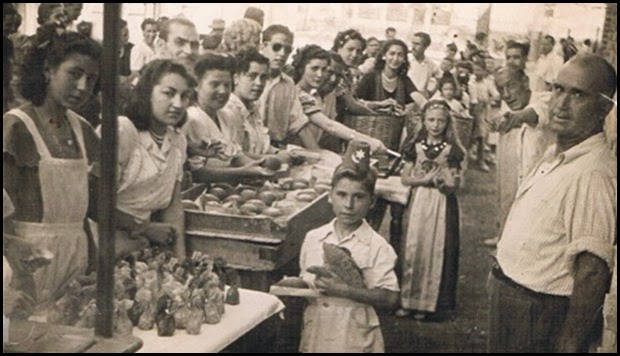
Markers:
{"x": 107, "y": 184}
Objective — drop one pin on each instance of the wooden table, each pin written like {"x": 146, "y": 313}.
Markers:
{"x": 254, "y": 308}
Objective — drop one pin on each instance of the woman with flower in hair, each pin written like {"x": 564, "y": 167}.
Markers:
{"x": 47, "y": 150}
{"x": 310, "y": 65}
{"x": 349, "y": 45}
{"x": 431, "y": 255}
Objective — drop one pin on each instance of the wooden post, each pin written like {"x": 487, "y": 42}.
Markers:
{"x": 107, "y": 187}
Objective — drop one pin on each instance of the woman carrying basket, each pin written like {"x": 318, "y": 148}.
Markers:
{"x": 389, "y": 81}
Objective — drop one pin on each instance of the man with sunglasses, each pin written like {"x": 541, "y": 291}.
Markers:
{"x": 279, "y": 105}
{"x": 556, "y": 251}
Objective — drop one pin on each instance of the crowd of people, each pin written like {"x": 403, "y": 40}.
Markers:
{"x": 215, "y": 107}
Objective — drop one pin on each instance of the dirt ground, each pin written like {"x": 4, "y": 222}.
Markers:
{"x": 466, "y": 329}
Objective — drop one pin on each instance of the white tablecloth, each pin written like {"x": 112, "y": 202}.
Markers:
{"x": 254, "y": 308}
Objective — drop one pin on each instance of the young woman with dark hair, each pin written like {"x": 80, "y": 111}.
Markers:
{"x": 151, "y": 155}
{"x": 47, "y": 150}
{"x": 311, "y": 65}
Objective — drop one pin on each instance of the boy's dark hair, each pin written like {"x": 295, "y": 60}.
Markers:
{"x": 45, "y": 10}
{"x": 139, "y": 108}
{"x": 275, "y": 29}
{"x": 215, "y": 61}
{"x": 448, "y": 79}
{"x": 380, "y": 59}
{"x": 85, "y": 28}
{"x": 481, "y": 36}
{"x": 246, "y": 57}
{"x": 147, "y": 21}
{"x": 345, "y": 36}
{"x": 390, "y": 29}
{"x": 49, "y": 50}
{"x": 523, "y": 47}
{"x": 480, "y": 63}
{"x": 426, "y": 38}
{"x": 464, "y": 64}
{"x": 551, "y": 39}
{"x": 452, "y": 47}
{"x": 368, "y": 178}
{"x": 304, "y": 55}
{"x": 471, "y": 46}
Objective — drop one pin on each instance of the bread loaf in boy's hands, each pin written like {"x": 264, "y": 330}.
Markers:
{"x": 339, "y": 261}
{"x": 292, "y": 282}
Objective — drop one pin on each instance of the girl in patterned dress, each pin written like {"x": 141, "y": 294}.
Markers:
{"x": 433, "y": 163}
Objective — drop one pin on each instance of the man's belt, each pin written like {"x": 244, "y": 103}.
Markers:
{"x": 497, "y": 272}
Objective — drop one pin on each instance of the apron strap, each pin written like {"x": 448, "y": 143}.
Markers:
{"x": 76, "y": 126}
{"x": 34, "y": 131}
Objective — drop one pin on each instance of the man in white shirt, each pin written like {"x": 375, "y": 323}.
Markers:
{"x": 421, "y": 68}
{"x": 524, "y": 136}
{"x": 549, "y": 63}
{"x": 145, "y": 50}
{"x": 557, "y": 247}
{"x": 516, "y": 56}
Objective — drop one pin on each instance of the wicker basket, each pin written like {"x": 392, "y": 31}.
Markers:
{"x": 388, "y": 129}
{"x": 464, "y": 128}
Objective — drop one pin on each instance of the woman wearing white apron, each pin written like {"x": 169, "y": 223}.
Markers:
{"x": 47, "y": 149}
{"x": 151, "y": 155}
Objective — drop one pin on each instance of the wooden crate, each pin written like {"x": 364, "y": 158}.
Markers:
{"x": 254, "y": 243}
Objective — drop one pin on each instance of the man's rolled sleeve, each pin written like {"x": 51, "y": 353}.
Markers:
{"x": 540, "y": 105}
{"x": 590, "y": 217}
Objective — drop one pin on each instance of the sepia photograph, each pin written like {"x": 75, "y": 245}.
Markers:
{"x": 309, "y": 177}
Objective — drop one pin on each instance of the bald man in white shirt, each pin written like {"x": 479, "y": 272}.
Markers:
{"x": 556, "y": 250}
